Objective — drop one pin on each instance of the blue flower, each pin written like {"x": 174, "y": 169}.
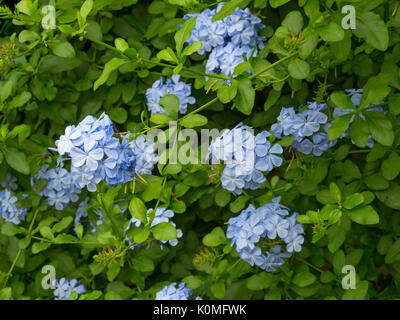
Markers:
{"x": 244, "y": 156}
{"x": 61, "y": 187}
{"x": 9, "y": 182}
{"x": 320, "y": 143}
{"x": 171, "y": 292}
{"x": 254, "y": 226}
{"x": 176, "y": 87}
{"x": 227, "y": 39}
{"x": 80, "y": 213}
{"x": 145, "y": 155}
{"x": 64, "y": 288}
{"x": 8, "y": 208}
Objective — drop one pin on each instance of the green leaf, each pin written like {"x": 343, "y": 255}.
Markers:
{"x": 85, "y": 9}
{"x": 391, "y": 196}
{"x": 170, "y": 103}
{"x": 20, "y": 100}
{"x": 109, "y": 67}
{"x": 218, "y": 289}
{"x": 304, "y": 279}
{"x": 28, "y": 35}
{"x": 142, "y": 263}
{"x": 298, "y": 69}
{"x": 5, "y": 89}
{"x": 22, "y": 131}
{"x": 183, "y": 34}
{"x": 121, "y": 44}
{"x": 168, "y": 55}
{"x": 17, "y": 160}
{"x": 372, "y": 28}
{"x": 380, "y": 127}
{"x": 40, "y": 246}
{"x": 277, "y": 3}
{"x": 6, "y": 294}
{"x": 353, "y": 201}
{"x": 393, "y": 253}
{"x": 331, "y": 32}
{"x": 118, "y": 115}
{"x": 194, "y": 47}
{"x": 364, "y": 215}
{"x": 261, "y": 281}
{"x": 113, "y": 271}
{"x": 228, "y": 8}
{"x": 215, "y": 238}
{"x": 374, "y": 94}
{"x": 341, "y": 100}
{"x": 359, "y": 132}
{"x": 293, "y": 21}
{"x": 194, "y": 120}
{"x": 62, "y": 225}
{"x": 160, "y": 118}
{"x": 335, "y": 192}
{"x": 244, "y": 101}
{"x": 376, "y": 182}
{"x": 138, "y": 209}
{"x": 394, "y": 103}
{"x": 222, "y": 197}
{"x": 339, "y": 126}
{"x": 62, "y": 49}
{"x": 10, "y": 229}
{"x": 226, "y": 93}
{"x": 357, "y": 294}
{"x": 391, "y": 166}
{"x": 164, "y": 231}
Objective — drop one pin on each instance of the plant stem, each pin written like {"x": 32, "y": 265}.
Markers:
{"x": 272, "y": 65}
{"x": 161, "y": 64}
{"x": 20, "y": 250}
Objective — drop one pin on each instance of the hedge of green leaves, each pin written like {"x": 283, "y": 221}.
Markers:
{"x": 102, "y": 57}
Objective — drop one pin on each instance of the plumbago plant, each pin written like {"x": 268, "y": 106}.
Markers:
{"x": 110, "y": 191}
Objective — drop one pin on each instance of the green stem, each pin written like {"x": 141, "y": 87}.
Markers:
{"x": 272, "y": 65}
{"x": 20, "y": 250}
{"x": 161, "y": 64}
{"x": 202, "y": 107}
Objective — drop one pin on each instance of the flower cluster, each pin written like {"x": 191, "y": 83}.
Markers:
{"x": 8, "y": 208}
{"x": 244, "y": 156}
{"x": 176, "y": 87}
{"x": 9, "y": 182}
{"x": 64, "y": 288}
{"x": 161, "y": 215}
{"x": 227, "y": 39}
{"x": 60, "y": 189}
{"x": 256, "y": 229}
{"x": 171, "y": 292}
{"x": 96, "y": 155}
{"x": 355, "y": 97}
{"x": 303, "y": 124}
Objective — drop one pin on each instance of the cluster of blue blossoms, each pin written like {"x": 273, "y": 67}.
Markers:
{"x": 355, "y": 97}
{"x": 96, "y": 155}
{"x": 171, "y": 292}
{"x": 9, "y": 182}
{"x": 61, "y": 188}
{"x": 162, "y": 215}
{"x": 267, "y": 222}
{"x": 227, "y": 39}
{"x": 64, "y": 288}
{"x": 244, "y": 156}
{"x": 176, "y": 87}
{"x": 302, "y": 125}
{"x": 8, "y": 208}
